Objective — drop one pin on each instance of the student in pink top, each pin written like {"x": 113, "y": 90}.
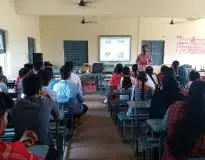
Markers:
{"x": 144, "y": 59}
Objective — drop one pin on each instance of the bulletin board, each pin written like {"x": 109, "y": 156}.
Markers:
{"x": 190, "y": 45}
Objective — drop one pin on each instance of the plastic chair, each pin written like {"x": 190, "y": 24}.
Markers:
{"x": 68, "y": 116}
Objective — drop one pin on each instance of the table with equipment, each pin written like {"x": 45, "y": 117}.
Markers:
{"x": 92, "y": 82}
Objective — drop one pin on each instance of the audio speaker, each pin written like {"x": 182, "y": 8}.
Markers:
{"x": 37, "y": 61}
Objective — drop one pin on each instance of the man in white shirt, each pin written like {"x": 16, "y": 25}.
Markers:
{"x": 152, "y": 80}
{"x": 74, "y": 77}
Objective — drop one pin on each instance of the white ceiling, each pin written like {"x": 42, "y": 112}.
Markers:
{"x": 145, "y": 8}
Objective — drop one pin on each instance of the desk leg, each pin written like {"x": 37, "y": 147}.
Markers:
{"x": 59, "y": 141}
{"x": 101, "y": 87}
{"x": 106, "y": 88}
{"x": 60, "y": 146}
{"x": 137, "y": 135}
{"x": 96, "y": 82}
{"x": 132, "y": 125}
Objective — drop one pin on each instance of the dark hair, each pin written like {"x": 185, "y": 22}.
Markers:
{"x": 46, "y": 75}
{"x": 6, "y": 103}
{"x": 144, "y": 46}
{"x": 31, "y": 85}
{"x": 192, "y": 125}
{"x": 175, "y": 66}
{"x": 23, "y": 72}
{"x": 163, "y": 69}
{"x": 65, "y": 73}
{"x": 135, "y": 70}
{"x": 149, "y": 70}
{"x": 127, "y": 82}
{"x": 143, "y": 78}
{"x": 126, "y": 71}
{"x": 193, "y": 76}
{"x": 169, "y": 73}
{"x": 48, "y": 64}
{"x": 29, "y": 66}
{"x": 69, "y": 66}
{"x": 118, "y": 68}
{"x": 1, "y": 69}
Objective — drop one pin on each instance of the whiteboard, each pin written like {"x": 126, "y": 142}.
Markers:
{"x": 115, "y": 48}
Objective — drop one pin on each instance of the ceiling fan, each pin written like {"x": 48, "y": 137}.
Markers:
{"x": 172, "y": 22}
{"x": 83, "y": 21}
{"x": 84, "y": 3}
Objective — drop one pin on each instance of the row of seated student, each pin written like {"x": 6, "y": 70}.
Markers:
{"x": 32, "y": 112}
{"x": 180, "y": 104}
{"x": 134, "y": 80}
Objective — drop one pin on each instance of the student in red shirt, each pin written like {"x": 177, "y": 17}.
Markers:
{"x": 115, "y": 81}
{"x": 14, "y": 150}
{"x": 116, "y": 77}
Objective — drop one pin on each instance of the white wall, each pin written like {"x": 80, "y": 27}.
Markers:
{"x": 18, "y": 28}
{"x": 160, "y": 29}
{"x": 56, "y": 29}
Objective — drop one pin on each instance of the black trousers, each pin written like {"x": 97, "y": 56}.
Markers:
{"x": 52, "y": 154}
{"x": 85, "y": 109}
{"x": 70, "y": 122}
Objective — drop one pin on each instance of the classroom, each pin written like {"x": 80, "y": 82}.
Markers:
{"x": 102, "y": 80}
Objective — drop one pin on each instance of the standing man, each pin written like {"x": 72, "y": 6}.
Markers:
{"x": 144, "y": 59}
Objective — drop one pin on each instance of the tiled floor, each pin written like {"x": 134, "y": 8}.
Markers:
{"x": 97, "y": 138}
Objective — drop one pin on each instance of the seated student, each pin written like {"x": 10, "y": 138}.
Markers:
{"x": 3, "y": 86}
{"x": 116, "y": 77}
{"x": 48, "y": 64}
{"x": 53, "y": 81}
{"x": 19, "y": 88}
{"x": 162, "y": 72}
{"x": 182, "y": 76}
{"x": 30, "y": 68}
{"x": 74, "y": 77}
{"x": 175, "y": 66}
{"x": 193, "y": 76}
{"x": 14, "y": 150}
{"x": 115, "y": 82}
{"x": 134, "y": 74}
{"x": 46, "y": 76}
{"x": 141, "y": 91}
{"x": 185, "y": 126}
{"x": 33, "y": 112}
{"x": 126, "y": 81}
{"x": 152, "y": 78}
{"x": 2, "y": 76}
{"x": 67, "y": 92}
{"x": 168, "y": 95}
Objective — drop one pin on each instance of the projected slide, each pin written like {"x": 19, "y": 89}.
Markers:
{"x": 116, "y": 48}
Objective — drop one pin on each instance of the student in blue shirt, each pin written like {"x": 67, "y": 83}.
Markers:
{"x": 68, "y": 92}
